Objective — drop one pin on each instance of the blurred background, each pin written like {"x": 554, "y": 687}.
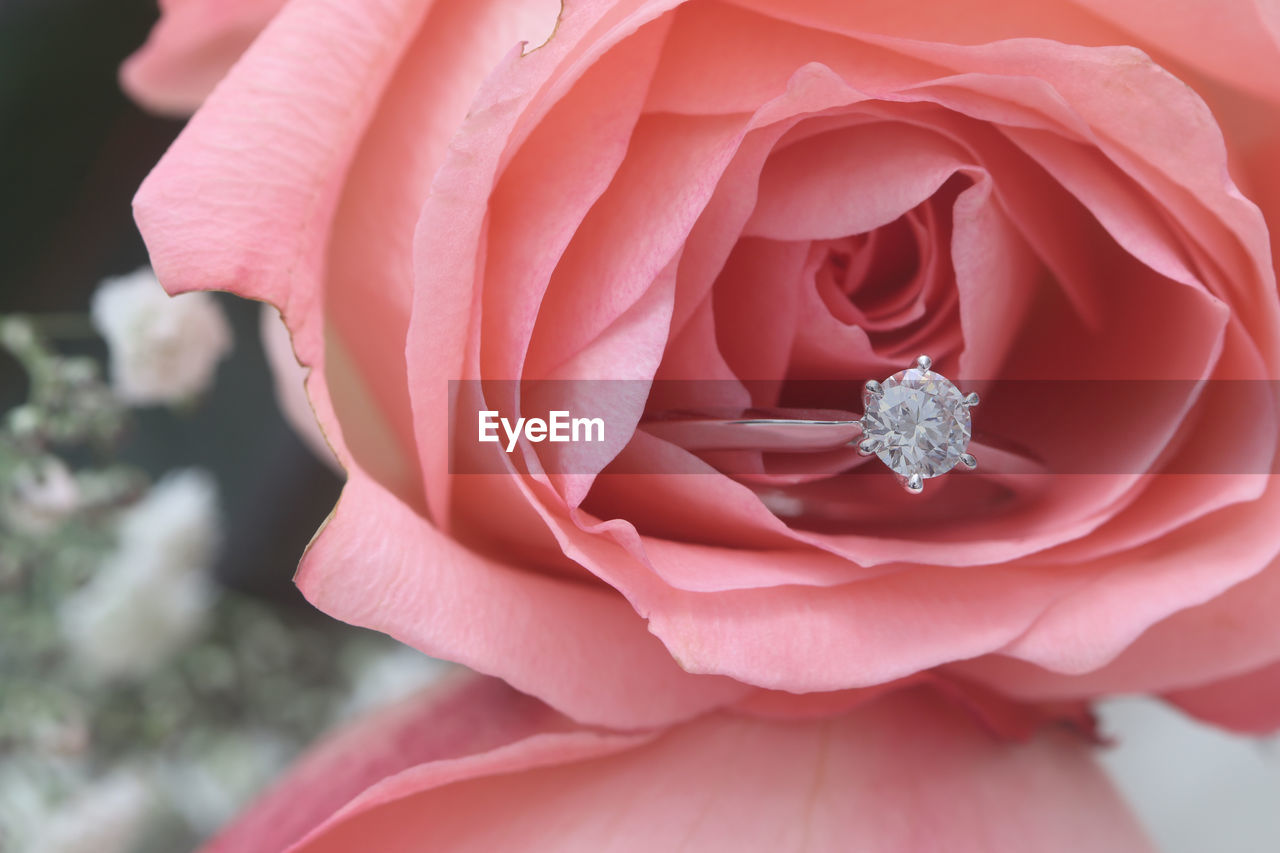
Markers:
{"x": 202, "y": 671}
{"x": 239, "y": 671}
{"x": 73, "y": 150}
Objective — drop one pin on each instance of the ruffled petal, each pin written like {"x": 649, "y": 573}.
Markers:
{"x": 354, "y": 769}
{"x": 578, "y": 646}
{"x": 906, "y": 772}
{"x": 190, "y": 49}
{"x": 1248, "y": 703}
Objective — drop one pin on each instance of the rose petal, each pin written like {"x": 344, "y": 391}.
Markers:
{"x": 1230, "y": 42}
{"x": 850, "y": 182}
{"x": 243, "y": 199}
{"x": 369, "y": 258}
{"x": 898, "y": 774}
{"x": 465, "y": 714}
{"x": 579, "y": 647}
{"x": 546, "y": 196}
{"x": 290, "y": 381}
{"x": 1223, "y": 636}
{"x": 1136, "y": 589}
{"x": 998, "y": 714}
{"x": 756, "y": 305}
{"x": 248, "y": 197}
{"x": 190, "y": 49}
{"x": 1245, "y": 703}
{"x": 451, "y": 230}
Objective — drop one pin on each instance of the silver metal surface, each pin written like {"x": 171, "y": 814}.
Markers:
{"x": 808, "y": 431}
{"x": 800, "y": 430}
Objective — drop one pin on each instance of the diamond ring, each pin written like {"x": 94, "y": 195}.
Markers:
{"x": 916, "y": 422}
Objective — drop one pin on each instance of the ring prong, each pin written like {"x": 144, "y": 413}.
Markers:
{"x": 924, "y": 363}
{"x": 972, "y": 399}
{"x": 869, "y": 447}
{"x": 968, "y": 461}
{"x": 873, "y": 388}
{"x": 915, "y": 483}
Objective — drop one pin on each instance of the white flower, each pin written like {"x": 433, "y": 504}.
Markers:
{"x": 118, "y": 627}
{"x": 16, "y": 333}
{"x": 175, "y": 528}
{"x": 150, "y": 596}
{"x": 163, "y": 349}
{"x": 44, "y": 492}
{"x": 51, "y": 807}
{"x": 106, "y": 817}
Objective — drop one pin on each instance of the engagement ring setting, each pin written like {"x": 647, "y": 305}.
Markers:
{"x": 917, "y": 422}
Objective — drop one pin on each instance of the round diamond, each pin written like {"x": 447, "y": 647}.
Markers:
{"x": 920, "y": 421}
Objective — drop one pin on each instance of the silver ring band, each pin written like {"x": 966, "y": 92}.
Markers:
{"x": 916, "y": 421}
{"x": 778, "y": 430}
{"x": 807, "y": 431}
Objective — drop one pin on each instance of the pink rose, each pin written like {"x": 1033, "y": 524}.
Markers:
{"x": 767, "y": 191}
{"x": 474, "y": 765}
{"x": 190, "y": 50}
